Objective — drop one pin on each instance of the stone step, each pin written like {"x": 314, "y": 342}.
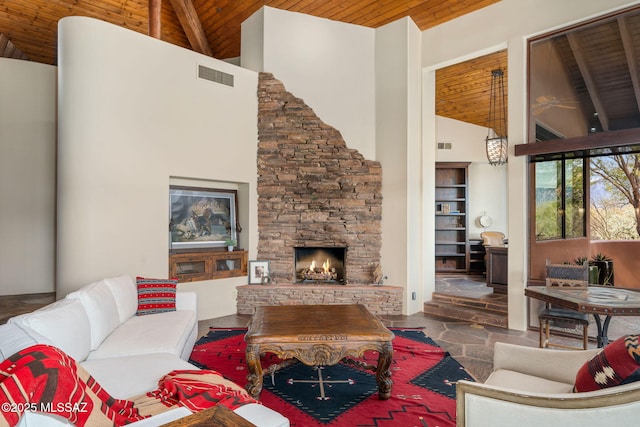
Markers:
{"x": 466, "y": 313}
{"x": 497, "y": 303}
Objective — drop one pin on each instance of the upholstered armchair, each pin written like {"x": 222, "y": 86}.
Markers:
{"x": 531, "y": 386}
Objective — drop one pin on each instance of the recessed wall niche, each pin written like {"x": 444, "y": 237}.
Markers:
{"x": 202, "y": 216}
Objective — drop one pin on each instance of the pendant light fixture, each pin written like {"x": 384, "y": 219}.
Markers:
{"x": 497, "y": 143}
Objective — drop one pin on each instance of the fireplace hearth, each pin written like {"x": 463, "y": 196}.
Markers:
{"x": 318, "y": 265}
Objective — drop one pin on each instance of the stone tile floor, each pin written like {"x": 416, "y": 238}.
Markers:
{"x": 471, "y": 344}
{"x": 13, "y": 305}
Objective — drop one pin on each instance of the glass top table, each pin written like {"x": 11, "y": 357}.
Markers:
{"x": 596, "y": 300}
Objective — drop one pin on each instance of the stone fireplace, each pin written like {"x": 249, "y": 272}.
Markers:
{"x": 318, "y": 200}
{"x": 313, "y": 191}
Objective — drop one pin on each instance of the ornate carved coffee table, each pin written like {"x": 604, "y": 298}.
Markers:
{"x": 317, "y": 335}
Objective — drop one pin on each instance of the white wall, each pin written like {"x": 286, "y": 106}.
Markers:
{"x": 252, "y": 42}
{"x": 320, "y": 61}
{"x": 134, "y": 117}
{"x": 398, "y": 148}
{"x": 27, "y": 177}
{"x": 487, "y": 184}
{"x": 506, "y": 23}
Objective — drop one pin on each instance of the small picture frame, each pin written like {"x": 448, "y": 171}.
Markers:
{"x": 258, "y": 271}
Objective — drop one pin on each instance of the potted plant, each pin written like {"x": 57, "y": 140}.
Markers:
{"x": 605, "y": 268}
{"x": 230, "y": 244}
{"x": 593, "y": 270}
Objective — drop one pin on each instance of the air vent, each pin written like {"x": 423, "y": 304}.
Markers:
{"x": 444, "y": 146}
{"x": 215, "y": 75}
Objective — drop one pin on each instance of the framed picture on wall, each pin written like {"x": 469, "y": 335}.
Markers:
{"x": 258, "y": 271}
{"x": 202, "y": 217}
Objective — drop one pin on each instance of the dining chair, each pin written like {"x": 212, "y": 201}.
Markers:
{"x": 564, "y": 276}
{"x": 492, "y": 238}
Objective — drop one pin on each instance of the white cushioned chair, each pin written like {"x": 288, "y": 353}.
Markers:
{"x": 531, "y": 386}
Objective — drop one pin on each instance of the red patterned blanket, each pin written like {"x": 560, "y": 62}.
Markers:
{"x": 42, "y": 378}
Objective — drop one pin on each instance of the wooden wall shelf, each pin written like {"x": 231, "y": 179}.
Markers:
{"x": 198, "y": 266}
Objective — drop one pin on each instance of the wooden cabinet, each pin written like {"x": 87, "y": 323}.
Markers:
{"x": 497, "y": 263}
{"x": 198, "y": 266}
{"x": 451, "y": 225}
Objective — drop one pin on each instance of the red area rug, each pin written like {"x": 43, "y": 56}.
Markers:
{"x": 423, "y": 392}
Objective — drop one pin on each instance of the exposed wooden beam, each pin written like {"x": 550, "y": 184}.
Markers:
{"x": 616, "y": 138}
{"x": 155, "y": 20}
{"x": 588, "y": 80}
{"x": 192, "y": 26}
{"x": 629, "y": 51}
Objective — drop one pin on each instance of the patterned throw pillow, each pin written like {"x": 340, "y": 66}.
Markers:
{"x": 156, "y": 295}
{"x": 618, "y": 363}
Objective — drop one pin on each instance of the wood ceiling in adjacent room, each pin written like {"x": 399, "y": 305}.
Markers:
{"x": 462, "y": 90}
{"x": 31, "y": 25}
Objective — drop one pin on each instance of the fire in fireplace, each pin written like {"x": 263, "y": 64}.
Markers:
{"x": 319, "y": 264}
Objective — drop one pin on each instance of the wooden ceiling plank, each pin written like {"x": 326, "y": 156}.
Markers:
{"x": 279, "y": 4}
{"x": 374, "y": 16}
{"x": 239, "y": 14}
{"x": 632, "y": 60}
{"x": 206, "y": 8}
{"x": 444, "y": 11}
{"x": 320, "y": 8}
{"x": 296, "y": 5}
{"x": 359, "y": 12}
{"x": 415, "y": 10}
{"x": 192, "y": 26}
{"x": 232, "y": 17}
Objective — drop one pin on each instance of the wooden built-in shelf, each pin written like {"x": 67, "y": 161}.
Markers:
{"x": 207, "y": 265}
{"x": 451, "y": 197}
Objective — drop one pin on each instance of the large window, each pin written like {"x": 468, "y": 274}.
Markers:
{"x": 560, "y": 199}
{"x": 615, "y": 197}
{"x": 584, "y": 129}
{"x": 583, "y": 144}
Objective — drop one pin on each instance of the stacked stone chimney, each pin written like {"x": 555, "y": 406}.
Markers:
{"x": 312, "y": 189}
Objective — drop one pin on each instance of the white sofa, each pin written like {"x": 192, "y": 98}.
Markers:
{"x": 126, "y": 354}
{"x": 532, "y": 386}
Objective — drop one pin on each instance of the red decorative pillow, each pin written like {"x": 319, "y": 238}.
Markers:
{"x": 618, "y": 363}
{"x": 156, "y": 295}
